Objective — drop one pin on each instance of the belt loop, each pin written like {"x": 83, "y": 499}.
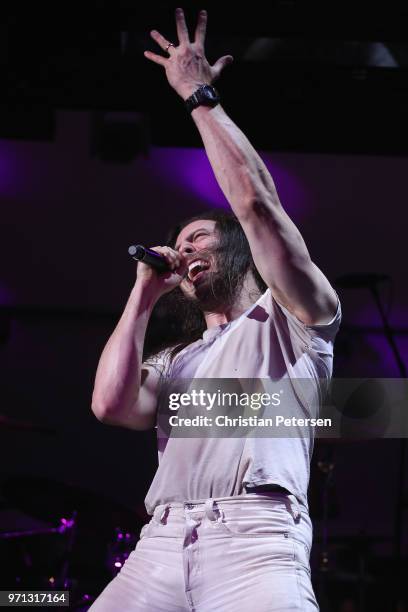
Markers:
{"x": 294, "y": 505}
{"x": 164, "y": 514}
{"x": 212, "y": 511}
{"x": 209, "y": 509}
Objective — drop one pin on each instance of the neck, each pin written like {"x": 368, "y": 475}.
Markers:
{"x": 248, "y": 295}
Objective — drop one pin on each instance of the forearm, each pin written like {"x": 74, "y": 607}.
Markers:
{"x": 118, "y": 377}
{"x": 239, "y": 170}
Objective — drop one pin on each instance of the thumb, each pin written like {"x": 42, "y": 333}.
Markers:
{"x": 220, "y": 64}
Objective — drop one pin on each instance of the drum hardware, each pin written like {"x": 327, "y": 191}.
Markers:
{"x": 65, "y": 525}
{"x": 326, "y": 467}
{"x": 371, "y": 282}
{"x": 119, "y": 550}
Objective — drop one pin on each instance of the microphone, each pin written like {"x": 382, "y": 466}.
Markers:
{"x": 358, "y": 281}
{"x": 149, "y": 257}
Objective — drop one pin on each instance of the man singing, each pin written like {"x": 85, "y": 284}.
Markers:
{"x": 230, "y": 528}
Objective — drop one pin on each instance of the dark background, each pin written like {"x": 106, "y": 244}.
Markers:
{"x": 97, "y": 152}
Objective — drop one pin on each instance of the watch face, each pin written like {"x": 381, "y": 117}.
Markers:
{"x": 210, "y": 92}
{"x": 209, "y": 95}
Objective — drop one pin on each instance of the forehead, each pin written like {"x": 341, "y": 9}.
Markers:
{"x": 188, "y": 231}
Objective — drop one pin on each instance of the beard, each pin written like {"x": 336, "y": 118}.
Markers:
{"x": 182, "y": 310}
{"x": 215, "y": 290}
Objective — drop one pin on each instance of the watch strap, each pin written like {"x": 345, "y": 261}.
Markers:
{"x": 192, "y": 102}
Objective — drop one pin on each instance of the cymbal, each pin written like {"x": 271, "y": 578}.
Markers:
{"x": 7, "y": 422}
{"x": 50, "y": 500}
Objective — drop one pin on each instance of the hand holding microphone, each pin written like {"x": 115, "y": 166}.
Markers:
{"x": 160, "y": 265}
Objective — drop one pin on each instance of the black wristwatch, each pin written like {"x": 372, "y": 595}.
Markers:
{"x": 205, "y": 95}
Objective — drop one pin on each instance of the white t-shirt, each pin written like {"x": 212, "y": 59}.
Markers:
{"x": 265, "y": 342}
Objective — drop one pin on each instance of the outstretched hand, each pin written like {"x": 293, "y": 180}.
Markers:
{"x": 187, "y": 67}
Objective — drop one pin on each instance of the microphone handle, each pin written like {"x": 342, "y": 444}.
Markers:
{"x": 149, "y": 257}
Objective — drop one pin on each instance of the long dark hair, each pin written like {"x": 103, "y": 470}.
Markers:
{"x": 179, "y": 321}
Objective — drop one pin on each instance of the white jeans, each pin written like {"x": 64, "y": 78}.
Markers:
{"x": 248, "y": 553}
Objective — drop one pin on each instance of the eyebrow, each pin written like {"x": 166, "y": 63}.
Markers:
{"x": 199, "y": 229}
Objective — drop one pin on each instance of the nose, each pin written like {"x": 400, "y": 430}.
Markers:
{"x": 187, "y": 248}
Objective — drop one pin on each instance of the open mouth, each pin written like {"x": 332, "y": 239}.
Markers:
{"x": 196, "y": 269}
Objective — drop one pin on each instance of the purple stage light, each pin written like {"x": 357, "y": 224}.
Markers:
{"x": 386, "y": 364}
{"x": 293, "y": 193}
{"x": 368, "y": 313}
{"x": 190, "y": 169}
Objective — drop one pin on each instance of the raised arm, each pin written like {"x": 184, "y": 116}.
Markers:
{"x": 278, "y": 249}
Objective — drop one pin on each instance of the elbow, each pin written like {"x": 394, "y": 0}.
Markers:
{"x": 117, "y": 416}
{"x": 105, "y": 415}
{"x": 103, "y": 410}
{"x": 99, "y": 411}
{"x": 267, "y": 209}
